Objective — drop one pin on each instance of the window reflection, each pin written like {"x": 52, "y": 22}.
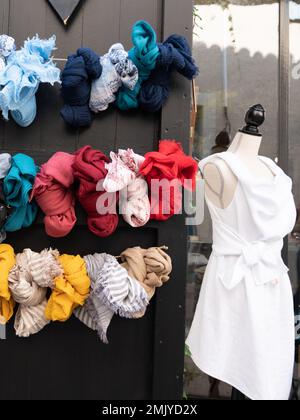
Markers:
{"x": 236, "y": 48}
{"x": 294, "y": 125}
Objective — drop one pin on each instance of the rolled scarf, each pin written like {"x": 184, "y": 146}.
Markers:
{"x": 135, "y": 203}
{"x": 7, "y": 261}
{"x": 170, "y": 163}
{"x": 144, "y": 55}
{"x": 118, "y": 70}
{"x": 17, "y": 187}
{"x": 25, "y": 279}
{"x": 151, "y": 267}
{"x": 113, "y": 291}
{"x": 175, "y": 55}
{"x": 71, "y": 289}
{"x": 20, "y": 80}
{"x": 81, "y": 69}
{"x": 5, "y": 165}
{"x": 7, "y": 47}
{"x": 122, "y": 170}
{"x": 54, "y": 194}
{"x": 100, "y": 206}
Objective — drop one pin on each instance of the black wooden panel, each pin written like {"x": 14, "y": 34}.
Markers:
{"x": 170, "y": 307}
{"x": 137, "y": 127}
{"x": 104, "y": 16}
{"x": 57, "y": 135}
{"x": 144, "y": 358}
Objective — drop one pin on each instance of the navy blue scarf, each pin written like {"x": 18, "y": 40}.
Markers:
{"x": 81, "y": 69}
{"x": 175, "y": 54}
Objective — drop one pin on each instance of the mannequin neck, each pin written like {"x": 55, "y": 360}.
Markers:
{"x": 246, "y": 145}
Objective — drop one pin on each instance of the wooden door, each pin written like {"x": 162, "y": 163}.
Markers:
{"x": 144, "y": 359}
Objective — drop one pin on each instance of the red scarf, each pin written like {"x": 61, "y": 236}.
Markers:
{"x": 172, "y": 164}
{"x": 89, "y": 169}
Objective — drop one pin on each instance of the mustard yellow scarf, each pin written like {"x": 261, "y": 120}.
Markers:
{"x": 71, "y": 289}
{"x": 7, "y": 261}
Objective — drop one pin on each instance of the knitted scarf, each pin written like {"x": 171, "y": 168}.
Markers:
{"x": 144, "y": 55}
{"x": 81, "y": 69}
{"x": 113, "y": 291}
{"x": 71, "y": 289}
{"x": 118, "y": 70}
{"x": 17, "y": 187}
{"x": 28, "y": 282}
{"x": 7, "y": 261}
{"x": 175, "y": 54}
{"x": 89, "y": 169}
{"x": 54, "y": 195}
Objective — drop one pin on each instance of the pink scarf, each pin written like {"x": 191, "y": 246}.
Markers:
{"x": 52, "y": 191}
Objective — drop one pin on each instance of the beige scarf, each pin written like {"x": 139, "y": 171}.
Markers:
{"x": 151, "y": 267}
{"x": 28, "y": 282}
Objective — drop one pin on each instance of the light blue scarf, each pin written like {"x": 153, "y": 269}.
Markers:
{"x": 19, "y": 81}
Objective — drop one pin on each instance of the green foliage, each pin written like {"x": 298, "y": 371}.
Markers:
{"x": 187, "y": 351}
{"x": 197, "y": 19}
{"x": 225, "y": 4}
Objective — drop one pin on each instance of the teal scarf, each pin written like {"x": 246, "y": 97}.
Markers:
{"x": 17, "y": 188}
{"x": 144, "y": 54}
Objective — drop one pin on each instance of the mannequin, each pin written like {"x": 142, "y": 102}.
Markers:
{"x": 243, "y": 329}
{"x": 221, "y": 183}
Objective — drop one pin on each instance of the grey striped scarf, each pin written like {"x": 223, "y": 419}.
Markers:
{"x": 112, "y": 292}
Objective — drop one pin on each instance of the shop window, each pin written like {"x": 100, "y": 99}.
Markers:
{"x": 294, "y": 147}
{"x": 236, "y": 45}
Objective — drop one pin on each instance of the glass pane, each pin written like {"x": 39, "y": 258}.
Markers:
{"x": 294, "y": 123}
{"x": 236, "y": 47}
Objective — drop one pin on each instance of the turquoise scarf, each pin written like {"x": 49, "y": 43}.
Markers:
{"x": 17, "y": 187}
{"x": 144, "y": 54}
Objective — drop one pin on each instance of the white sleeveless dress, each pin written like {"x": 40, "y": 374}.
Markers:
{"x": 243, "y": 330}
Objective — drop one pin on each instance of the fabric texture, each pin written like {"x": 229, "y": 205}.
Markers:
{"x": 135, "y": 203}
{"x": 94, "y": 314}
{"x": 122, "y": 170}
{"x": 144, "y": 55}
{"x": 71, "y": 289}
{"x": 117, "y": 70}
{"x": 150, "y": 267}
{"x": 170, "y": 163}
{"x": 53, "y": 192}
{"x": 112, "y": 292}
{"x": 44, "y": 267}
{"x": 30, "y": 317}
{"x": 80, "y": 70}
{"x": 100, "y": 206}
{"x": 7, "y": 261}
{"x": 7, "y": 46}
{"x": 2, "y": 64}
{"x": 246, "y": 301}
{"x": 20, "y": 79}
{"x": 17, "y": 187}
{"x": 175, "y": 55}
{"x": 5, "y": 165}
